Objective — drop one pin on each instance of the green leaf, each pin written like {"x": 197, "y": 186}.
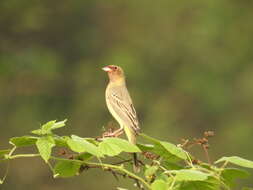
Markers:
{"x": 164, "y": 177}
{"x": 167, "y": 150}
{"x": 231, "y": 174}
{"x": 45, "y": 145}
{"x": 148, "y": 138}
{"x": 4, "y": 152}
{"x": 48, "y": 127}
{"x": 190, "y": 175}
{"x": 45, "y": 129}
{"x": 237, "y": 161}
{"x": 109, "y": 149}
{"x": 114, "y": 146}
{"x": 206, "y": 166}
{"x": 59, "y": 124}
{"x": 23, "y": 141}
{"x": 66, "y": 168}
{"x": 150, "y": 171}
{"x": 159, "y": 185}
{"x": 85, "y": 156}
{"x": 61, "y": 141}
{"x": 78, "y": 144}
{"x": 173, "y": 149}
{"x": 171, "y": 165}
{"x": 145, "y": 147}
{"x": 160, "y": 150}
{"x": 198, "y": 185}
{"x": 38, "y": 132}
{"x": 123, "y": 144}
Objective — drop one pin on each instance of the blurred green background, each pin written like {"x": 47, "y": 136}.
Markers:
{"x": 188, "y": 65}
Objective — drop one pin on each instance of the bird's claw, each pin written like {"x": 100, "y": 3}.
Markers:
{"x": 111, "y": 133}
{"x": 108, "y": 134}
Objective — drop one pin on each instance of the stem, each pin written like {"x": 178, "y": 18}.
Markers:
{"x": 190, "y": 160}
{"x": 8, "y": 164}
{"x": 19, "y": 156}
{"x": 65, "y": 159}
{"x": 173, "y": 183}
{"x": 122, "y": 162}
{"x": 207, "y": 154}
{"x": 120, "y": 168}
{"x": 224, "y": 165}
{"x": 6, "y": 173}
{"x": 23, "y": 156}
{"x": 12, "y": 151}
{"x": 215, "y": 175}
{"x": 51, "y": 167}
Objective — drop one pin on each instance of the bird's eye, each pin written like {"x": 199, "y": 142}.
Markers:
{"x": 115, "y": 68}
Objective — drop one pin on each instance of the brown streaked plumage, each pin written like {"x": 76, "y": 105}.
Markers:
{"x": 120, "y": 104}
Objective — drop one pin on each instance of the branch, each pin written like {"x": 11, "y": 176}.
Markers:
{"x": 120, "y": 168}
{"x": 105, "y": 167}
{"x": 156, "y": 158}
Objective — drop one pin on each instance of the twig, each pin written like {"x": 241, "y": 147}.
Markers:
{"x": 128, "y": 174}
{"x": 6, "y": 173}
{"x": 106, "y": 167}
{"x": 116, "y": 173}
{"x": 207, "y": 154}
{"x": 23, "y": 156}
{"x": 122, "y": 162}
{"x": 9, "y": 157}
{"x": 203, "y": 142}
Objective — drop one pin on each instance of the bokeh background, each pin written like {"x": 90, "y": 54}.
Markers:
{"x": 189, "y": 67}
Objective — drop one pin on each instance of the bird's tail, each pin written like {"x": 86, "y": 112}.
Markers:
{"x": 131, "y": 135}
{"x": 136, "y": 166}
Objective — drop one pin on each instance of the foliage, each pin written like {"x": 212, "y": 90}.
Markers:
{"x": 163, "y": 165}
{"x": 188, "y": 66}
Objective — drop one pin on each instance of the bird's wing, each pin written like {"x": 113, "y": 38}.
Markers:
{"x": 123, "y": 106}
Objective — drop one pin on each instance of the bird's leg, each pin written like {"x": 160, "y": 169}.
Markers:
{"x": 114, "y": 133}
{"x": 118, "y": 132}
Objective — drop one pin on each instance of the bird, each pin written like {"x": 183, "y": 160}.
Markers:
{"x": 120, "y": 105}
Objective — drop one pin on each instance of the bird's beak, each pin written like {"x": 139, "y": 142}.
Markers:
{"x": 107, "y": 69}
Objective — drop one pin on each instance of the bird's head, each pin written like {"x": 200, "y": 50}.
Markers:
{"x": 115, "y": 73}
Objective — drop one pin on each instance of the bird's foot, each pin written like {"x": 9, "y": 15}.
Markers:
{"x": 110, "y": 133}
{"x": 113, "y": 133}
